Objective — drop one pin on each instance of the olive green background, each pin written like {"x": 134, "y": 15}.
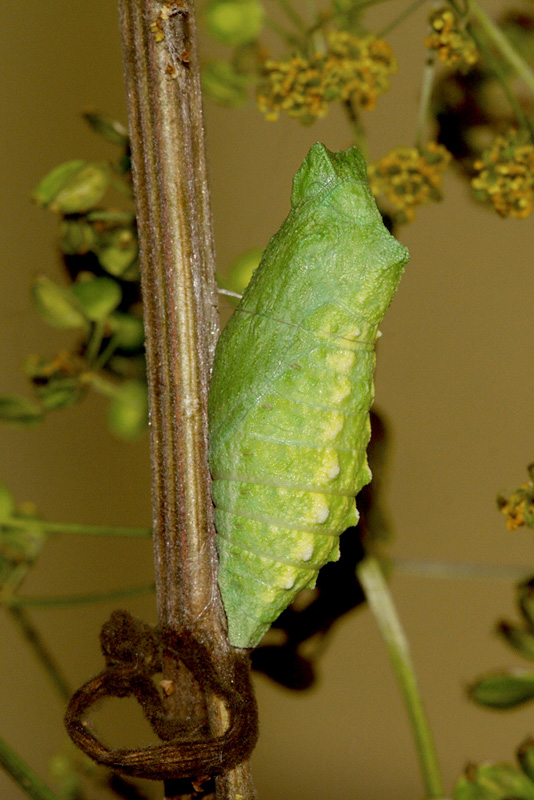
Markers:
{"x": 454, "y": 378}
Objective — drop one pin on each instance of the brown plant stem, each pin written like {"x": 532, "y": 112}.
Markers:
{"x": 177, "y": 267}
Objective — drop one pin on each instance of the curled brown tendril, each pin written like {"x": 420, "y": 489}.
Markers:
{"x": 133, "y": 652}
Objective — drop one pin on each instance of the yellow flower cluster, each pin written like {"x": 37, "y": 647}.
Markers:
{"x": 454, "y": 47}
{"x": 519, "y": 507}
{"x": 350, "y": 69}
{"x": 409, "y": 177}
{"x": 506, "y": 175}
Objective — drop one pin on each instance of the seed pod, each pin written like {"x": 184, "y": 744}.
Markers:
{"x": 494, "y": 782}
{"x": 506, "y": 689}
{"x": 73, "y": 187}
{"x": 97, "y": 297}
{"x": 56, "y": 304}
{"x": 291, "y": 392}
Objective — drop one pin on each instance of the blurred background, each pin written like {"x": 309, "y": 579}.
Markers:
{"x": 454, "y": 382}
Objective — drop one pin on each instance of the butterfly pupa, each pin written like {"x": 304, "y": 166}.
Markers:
{"x": 291, "y": 391}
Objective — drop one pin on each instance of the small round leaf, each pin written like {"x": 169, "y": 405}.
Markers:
{"x": 504, "y": 689}
{"x": 74, "y": 187}
{"x": 128, "y": 411}
{"x": 127, "y": 330}
{"x": 234, "y": 22}
{"x": 97, "y": 297}
{"x": 56, "y": 305}
{"x": 18, "y": 411}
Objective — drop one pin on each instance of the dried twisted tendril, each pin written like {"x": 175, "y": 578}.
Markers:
{"x": 133, "y": 652}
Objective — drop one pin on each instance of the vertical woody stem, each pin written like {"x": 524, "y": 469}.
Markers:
{"x": 177, "y": 266}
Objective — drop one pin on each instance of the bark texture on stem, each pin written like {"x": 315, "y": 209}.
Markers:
{"x": 169, "y": 168}
{"x": 174, "y": 222}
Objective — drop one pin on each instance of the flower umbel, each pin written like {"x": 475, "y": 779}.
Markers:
{"x": 409, "y": 177}
{"x": 506, "y": 175}
{"x": 351, "y": 68}
{"x": 519, "y": 507}
{"x": 452, "y": 44}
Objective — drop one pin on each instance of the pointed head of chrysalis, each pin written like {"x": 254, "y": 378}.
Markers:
{"x": 335, "y": 184}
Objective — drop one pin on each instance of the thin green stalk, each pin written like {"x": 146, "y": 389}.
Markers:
{"x": 286, "y": 36}
{"x": 334, "y": 16}
{"x": 106, "y": 353}
{"x": 505, "y": 47}
{"x": 357, "y": 129}
{"x": 424, "y": 102}
{"x": 401, "y": 17}
{"x": 438, "y": 569}
{"x": 497, "y": 69}
{"x": 95, "y": 340}
{"x": 76, "y": 528}
{"x": 367, "y": 3}
{"x": 381, "y": 604}
{"x": 23, "y": 775}
{"x": 295, "y": 18}
{"x": 41, "y": 652}
{"x": 100, "y": 384}
{"x": 77, "y": 599}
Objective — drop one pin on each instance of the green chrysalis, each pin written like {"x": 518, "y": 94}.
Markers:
{"x": 291, "y": 391}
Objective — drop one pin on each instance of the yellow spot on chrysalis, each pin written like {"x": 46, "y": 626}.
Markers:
{"x": 333, "y": 426}
{"x": 307, "y": 552}
{"x": 341, "y": 391}
{"x": 353, "y": 333}
{"x": 286, "y": 577}
{"x": 333, "y": 472}
{"x": 321, "y": 512}
{"x": 341, "y": 360}
{"x": 329, "y": 468}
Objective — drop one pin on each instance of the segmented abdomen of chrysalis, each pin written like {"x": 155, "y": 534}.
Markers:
{"x": 291, "y": 392}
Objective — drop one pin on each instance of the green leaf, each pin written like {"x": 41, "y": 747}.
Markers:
{"x": 117, "y": 253}
{"x": 97, "y": 297}
{"x": 518, "y": 637}
{"x": 525, "y": 756}
{"x": 73, "y": 187}
{"x": 59, "y": 393}
{"x": 224, "y": 84}
{"x": 112, "y": 130}
{"x": 77, "y": 237}
{"x": 128, "y": 410}
{"x": 56, "y": 305}
{"x": 18, "y": 411}
{"x": 19, "y": 549}
{"x": 52, "y": 183}
{"x": 504, "y": 689}
{"x": 234, "y": 22}
{"x": 127, "y": 329}
{"x": 240, "y": 271}
{"x": 7, "y": 502}
{"x": 526, "y": 600}
{"x": 494, "y": 782}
